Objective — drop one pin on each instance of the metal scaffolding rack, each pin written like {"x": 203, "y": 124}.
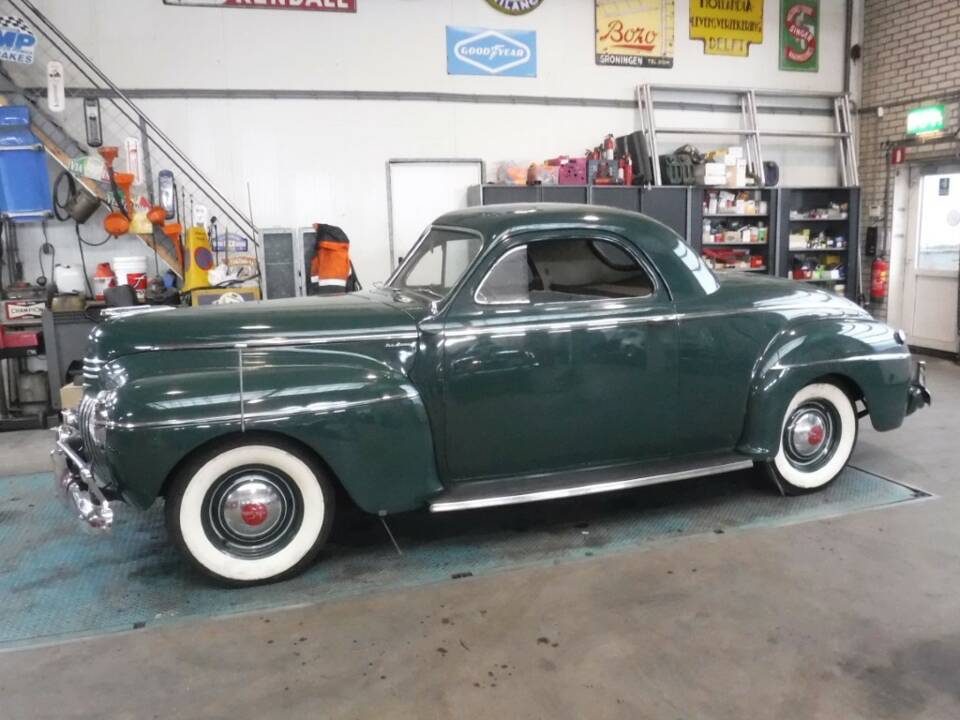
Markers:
{"x": 749, "y": 128}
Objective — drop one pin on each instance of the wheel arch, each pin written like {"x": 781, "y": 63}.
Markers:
{"x": 238, "y": 437}
{"x": 859, "y": 355}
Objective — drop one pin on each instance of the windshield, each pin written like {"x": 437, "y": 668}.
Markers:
{"x": 438, "y": 262}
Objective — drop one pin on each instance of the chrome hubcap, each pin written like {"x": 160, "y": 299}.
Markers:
{"x": 252, "y": 511}
{"x": 810, "y": 435}
{"x": 252, "y": 507}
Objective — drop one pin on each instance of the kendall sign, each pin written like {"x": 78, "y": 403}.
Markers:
{"x": 477, "y": 51}
{"x": 348, "y": 6}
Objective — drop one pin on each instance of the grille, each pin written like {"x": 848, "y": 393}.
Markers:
{"x": 91, "y": 371}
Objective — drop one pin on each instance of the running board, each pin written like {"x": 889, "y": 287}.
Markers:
{"x": 534, "y": 488}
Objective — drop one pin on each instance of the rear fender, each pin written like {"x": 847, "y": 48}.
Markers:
{"x": 860, "y": 353}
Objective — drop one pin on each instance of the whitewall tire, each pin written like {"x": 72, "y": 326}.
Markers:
{"x": 817, "y": 437}
{"x": 251, "y": 512}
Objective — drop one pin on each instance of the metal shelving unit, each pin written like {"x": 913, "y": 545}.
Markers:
{"x": 794, "y": 202}
{"x": 749, "y": 130}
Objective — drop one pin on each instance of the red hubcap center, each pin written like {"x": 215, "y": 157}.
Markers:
{"x": 253, "y": 513}
{"x": 815, "y": 436}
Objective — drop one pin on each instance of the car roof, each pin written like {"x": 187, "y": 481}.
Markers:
{"x": 492, "y": 221}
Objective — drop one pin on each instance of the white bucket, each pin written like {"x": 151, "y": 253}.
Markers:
{"x": 69, "y": 280}
{"x": 132, "y": 271}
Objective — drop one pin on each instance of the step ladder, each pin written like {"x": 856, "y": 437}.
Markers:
{"x": 22, "y": 84}
{"x": 749, "y": 129}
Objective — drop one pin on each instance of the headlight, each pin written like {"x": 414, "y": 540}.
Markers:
{"x": 99, "y": 419}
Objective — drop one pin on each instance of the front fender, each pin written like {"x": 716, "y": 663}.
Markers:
{"x": 359, "y": 414}
{"x": 164, "y": 406}
{"x": 861, "y": 353}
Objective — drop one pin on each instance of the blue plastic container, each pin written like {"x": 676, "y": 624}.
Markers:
{"x": 24, "y": 181}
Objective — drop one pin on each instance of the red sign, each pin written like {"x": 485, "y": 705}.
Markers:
{"x": 319, "y": 5}
{"x": 898, "y": 155}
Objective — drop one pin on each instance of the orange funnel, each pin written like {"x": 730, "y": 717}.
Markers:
{"x": 109, "y": 154}
{"x": 172, "y": 232}
{"x": 157, "y": 215}
{"x": 116, "y": 224}
{"x": 124, "y": 182}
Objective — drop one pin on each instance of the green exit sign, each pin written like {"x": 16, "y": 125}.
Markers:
{"x": 927, "y": 120}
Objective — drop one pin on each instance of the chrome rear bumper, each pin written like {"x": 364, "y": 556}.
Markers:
{"x": 75, "y": 483}
{"x": 918, "y": 396}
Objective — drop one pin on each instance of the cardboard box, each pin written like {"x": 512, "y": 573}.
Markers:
{"x": 70, "y": 396}
{"x": 574, "y": 172}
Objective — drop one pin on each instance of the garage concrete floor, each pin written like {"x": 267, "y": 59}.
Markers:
{"x": 856, "y": 617}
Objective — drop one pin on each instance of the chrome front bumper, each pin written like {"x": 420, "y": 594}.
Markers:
{"x": 918, "y": 396}
{"x": 75, "y": 483}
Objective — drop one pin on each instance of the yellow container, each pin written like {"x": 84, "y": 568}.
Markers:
{"x": 197, "y": 259}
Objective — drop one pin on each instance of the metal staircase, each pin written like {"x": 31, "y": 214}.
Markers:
{"x": 749, "y": 130}
{"x": 22, "y": 84}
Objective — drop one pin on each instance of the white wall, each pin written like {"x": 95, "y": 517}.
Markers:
{"x": 313, "y": 160}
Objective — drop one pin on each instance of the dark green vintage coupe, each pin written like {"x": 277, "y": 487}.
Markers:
{"x": 519, "y": 353}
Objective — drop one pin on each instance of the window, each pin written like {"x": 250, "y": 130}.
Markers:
{"x": 938, "y": 241}
{"x": 438, "y": 262}
{"x": 564, "y": 270}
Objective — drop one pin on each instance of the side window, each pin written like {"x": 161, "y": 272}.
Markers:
{"x": 508, "y": 280}
{"x": 564, "y": 270}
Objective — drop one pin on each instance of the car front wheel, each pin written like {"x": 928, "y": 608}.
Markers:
{"x": 817, "y": 437}
{"x": 251, "y": 512}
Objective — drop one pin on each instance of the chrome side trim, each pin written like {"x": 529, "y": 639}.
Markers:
{"x": 285, "y": 341}
{"x": 243, "y": 420}
{"x": 606, "y": 322}
{"x": 245, "y": 417}
{"x": 595, "y": 323}
{"x": 578, "y": 490}
{"x": 134, "y": 310}
{"x": 851, "y": 358}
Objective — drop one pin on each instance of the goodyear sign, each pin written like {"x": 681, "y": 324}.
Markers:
{"x": 481, "y": 51}
{"x": 17, "y": 41}
{"x": 727, "y": 27}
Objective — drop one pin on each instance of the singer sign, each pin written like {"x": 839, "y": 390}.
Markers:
{"x": 799, "y": 35}
{"x": 349, "y": 6}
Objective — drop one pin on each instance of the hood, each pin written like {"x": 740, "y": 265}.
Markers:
{"x": 264, "y": 321}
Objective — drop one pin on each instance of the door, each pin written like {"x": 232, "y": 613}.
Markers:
{"x": 932, "y": 260}
{"x": 419, "y": 191}
{"x": 560, "y": 352}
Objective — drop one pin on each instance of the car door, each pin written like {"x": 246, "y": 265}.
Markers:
{"x": 560, "y": 351}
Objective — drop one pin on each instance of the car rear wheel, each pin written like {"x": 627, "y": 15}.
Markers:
{"x": 817, "y": 437}
{"x": 251, "y": 512}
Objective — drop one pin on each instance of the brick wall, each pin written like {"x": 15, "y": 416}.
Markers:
{"x": 911, "y": 57}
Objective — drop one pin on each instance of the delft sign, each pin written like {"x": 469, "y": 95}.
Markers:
{"x": 479, "y": 51}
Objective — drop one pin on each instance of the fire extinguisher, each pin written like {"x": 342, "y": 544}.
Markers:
{"x": 879, "y": 276}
